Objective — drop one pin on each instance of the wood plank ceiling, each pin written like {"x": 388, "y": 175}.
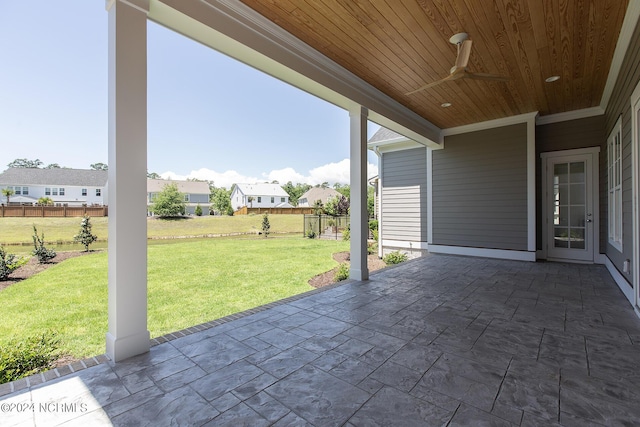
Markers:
{"x": 399, "y": 45}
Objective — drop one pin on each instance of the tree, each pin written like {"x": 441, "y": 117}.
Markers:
{"x": 84, "y": 236}
{"x": 25, "y": 163}
{"x": 153, "y": 175}
{"x": 99, "y": 166}
{"x": 345, "y": 189}
{"x": 45, "y": 201}
{"x": 198, "y": 210}
{"x": 169, "y": 202}
{"x": 53, "y": 166}
{"x": 221, "y": 201}
{"x": 338, "y": 205}
{"x": 265, "y": 225}
{"x": 371, "y": 205}
{"x": 295, "y": 191}
{"x": 8, "y": 192}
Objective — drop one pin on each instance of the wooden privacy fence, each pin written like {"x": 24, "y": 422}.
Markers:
{"x": 275, "y": 211}
{"x": 53, "y": 211}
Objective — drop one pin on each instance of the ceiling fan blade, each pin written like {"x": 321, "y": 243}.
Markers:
{"x": 485, "y": 76}
{"x": 452, "y": 76}
{"x": 464, "y": 51}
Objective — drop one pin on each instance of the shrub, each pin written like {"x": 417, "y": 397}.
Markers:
{"x": 342, "y": 273}
{"x": 310, "y": 233}
{"x": 9, "y": 263}
{"x": 19, "y": 359}
{"x": 373, "y": 225}
{"x": 40, "y": 250}
{"x": 395, "y": 257}
{"x": 84, "y": 236}
{"x": 372, "y": 248}
{"x": 198, "y": 210}
{"x": 346, "y": 234}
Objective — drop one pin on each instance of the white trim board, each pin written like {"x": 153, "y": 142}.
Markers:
{"x": 490, "y": 124}
{"x": 484, "y": 252}
{"x": 570, "y": 115}
{"x": 620, "y": 280}
{"x": 635, "y": 188}
{"x": 405, "y": 244}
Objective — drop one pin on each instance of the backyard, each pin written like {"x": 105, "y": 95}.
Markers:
{"x": 190, "y": 281}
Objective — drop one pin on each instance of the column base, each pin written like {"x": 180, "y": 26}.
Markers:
{"x": 360, "y": 275}
{"x": 119, "y": 349}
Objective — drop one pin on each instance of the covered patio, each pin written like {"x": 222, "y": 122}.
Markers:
{"x": 439, "y": 340}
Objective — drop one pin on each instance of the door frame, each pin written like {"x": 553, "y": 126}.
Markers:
{"x": 595, "y": 197}
{"x": 635, "y": 188}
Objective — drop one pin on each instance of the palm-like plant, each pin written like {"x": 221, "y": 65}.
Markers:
{"x": 8, "y": 192}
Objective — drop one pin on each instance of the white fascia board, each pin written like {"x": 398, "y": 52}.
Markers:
{"x": 236, "y": 30}
{"x": 396, "y": 146}
{"x": 490, "y": 124}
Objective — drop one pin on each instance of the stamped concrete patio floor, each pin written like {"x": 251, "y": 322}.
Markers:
{"x": 441, "y": 340}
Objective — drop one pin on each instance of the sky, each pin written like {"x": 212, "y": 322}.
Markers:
{"x": 209, "y": 116}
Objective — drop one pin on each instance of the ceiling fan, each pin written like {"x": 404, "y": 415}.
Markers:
{"x": 459, "y": 70}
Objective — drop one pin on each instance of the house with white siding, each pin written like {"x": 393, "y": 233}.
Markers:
{"x": 66, "y": 187}
{"x": 259, "y": 196}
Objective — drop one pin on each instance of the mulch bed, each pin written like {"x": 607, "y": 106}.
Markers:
{"x": 324, "y": 279}
{"x": 34, "y": 267}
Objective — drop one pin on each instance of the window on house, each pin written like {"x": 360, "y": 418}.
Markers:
{"x": 25, "y": 191}
{"x": 98, "y": 192}
{"x": 272, "y": 199}
{"x": 54, "y": 191}
{"x": 614, "y": 169}
{"x": 186, "y": 197}
{"x": 47, "y": 191}
{"x": 84, "y": 191}
{"x": 281, "y": 199}
{"x": 16, "y": 190}
{"x": 259, "y": 199}
{"x": 62, "y": 191}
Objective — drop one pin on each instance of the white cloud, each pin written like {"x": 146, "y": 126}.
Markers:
{"x": 331, "y": 173}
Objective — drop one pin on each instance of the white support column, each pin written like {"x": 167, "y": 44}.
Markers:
{"x": 127, "y": 186}
{"x": 359, "y": 219}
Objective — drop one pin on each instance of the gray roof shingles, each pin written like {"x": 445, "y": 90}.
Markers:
{"x": 71, "y": 177}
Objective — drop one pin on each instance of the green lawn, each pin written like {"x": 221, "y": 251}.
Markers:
{"x": 189, "y": 282}
{"x": 20, "y": 230}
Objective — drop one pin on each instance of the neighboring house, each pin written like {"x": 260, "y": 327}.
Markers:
{"x": 195, "y": 193}
{"x": 70, "y": 187}
{"x": 259, "y": 196}
{"x": 309, "y": 198}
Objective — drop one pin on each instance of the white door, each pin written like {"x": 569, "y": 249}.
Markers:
{"x": 570, "y": 207}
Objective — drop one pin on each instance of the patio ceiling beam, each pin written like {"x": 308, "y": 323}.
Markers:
{"x": 128, "y": 334}
{"x": 238, "y": 31}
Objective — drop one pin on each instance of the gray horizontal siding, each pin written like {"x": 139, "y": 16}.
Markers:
{"x": 480, "y": 189}
{"x": 404, "y": 195}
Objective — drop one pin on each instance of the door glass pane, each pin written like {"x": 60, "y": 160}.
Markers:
{"x": 561, "y": 237}
{"x": 569, "y": 194}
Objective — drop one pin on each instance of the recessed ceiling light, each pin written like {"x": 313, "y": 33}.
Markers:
{"x": 552, "y": 79}
{"x": 445, "y": 104}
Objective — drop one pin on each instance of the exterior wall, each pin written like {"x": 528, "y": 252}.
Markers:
{"x": 239, "y": 199}
{"x": 72, "y": 194}
{"x": 569, "y": 135}
{"x": 480, "y": 189}
{"x": 620, "y": 105}
{"x": 404, "y": 196}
